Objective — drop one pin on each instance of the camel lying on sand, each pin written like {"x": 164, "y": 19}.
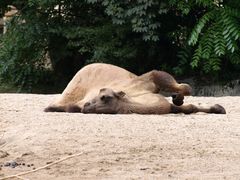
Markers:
{"x": 108, "y": 89}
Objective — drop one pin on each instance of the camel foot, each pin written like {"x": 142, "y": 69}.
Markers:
{"x": 217, "y": 109}
{"x": 177, "y": 99}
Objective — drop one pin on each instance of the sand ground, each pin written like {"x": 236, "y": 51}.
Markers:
{"x": 198, "y": 146}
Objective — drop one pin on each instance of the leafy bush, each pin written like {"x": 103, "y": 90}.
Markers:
{"x": 22, "y": 53}
{"x": 216, "y": 36}
{"x": 199, "y": 37}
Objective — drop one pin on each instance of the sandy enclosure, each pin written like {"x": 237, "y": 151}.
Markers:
{"x": 198, "y": 146}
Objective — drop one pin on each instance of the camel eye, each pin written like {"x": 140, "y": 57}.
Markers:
{"x": 105, "y": 98}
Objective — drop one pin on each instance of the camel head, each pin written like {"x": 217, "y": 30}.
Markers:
{"x": 106, "y": 102}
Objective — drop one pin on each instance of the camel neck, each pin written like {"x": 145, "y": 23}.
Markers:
{"x": 133, "y": 107}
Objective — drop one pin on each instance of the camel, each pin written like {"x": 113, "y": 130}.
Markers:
{"x": 107, "y": 89}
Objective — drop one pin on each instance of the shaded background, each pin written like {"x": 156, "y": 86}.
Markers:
{"x": 48, "y": 41}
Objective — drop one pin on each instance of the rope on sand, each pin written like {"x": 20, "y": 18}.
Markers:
{"x": 40, "y": 168}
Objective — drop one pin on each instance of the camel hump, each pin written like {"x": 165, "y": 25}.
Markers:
{"x": 105, "y": 72}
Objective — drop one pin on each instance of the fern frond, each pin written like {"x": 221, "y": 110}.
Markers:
{"x": 196, "y": 57}
{"x": 216, "y": 35}
{"x": 235, "y": 58}
{"x": 198, "y": 28}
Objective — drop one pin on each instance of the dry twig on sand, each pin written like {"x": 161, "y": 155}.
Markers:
{"x": 40, "y": 168}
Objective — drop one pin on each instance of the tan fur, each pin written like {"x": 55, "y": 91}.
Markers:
{"x": 142, "y": 92}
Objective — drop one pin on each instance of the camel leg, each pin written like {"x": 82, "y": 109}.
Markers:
{"x": 166, "y": 82}
{"x": 68, "y": 108}
{"x": 55, "y": 109}
{"x": 190, "y": 108}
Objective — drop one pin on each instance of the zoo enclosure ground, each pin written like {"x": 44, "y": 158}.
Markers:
{"x": 197, "y": 146}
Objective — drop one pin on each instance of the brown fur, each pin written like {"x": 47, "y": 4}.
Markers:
{"x": 124, "y": 92}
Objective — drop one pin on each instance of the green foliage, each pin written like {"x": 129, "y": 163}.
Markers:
{"x": 141, "y": 15}
{"x": 22, "y": 53}
{"x": 216, "y": 35}
{"x": 199, "y": 37}
{"x": 183, "y": 64}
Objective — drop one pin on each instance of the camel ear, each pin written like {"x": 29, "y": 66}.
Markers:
{"x": 120, "y": 94}
{"x": 103, "y": 89}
